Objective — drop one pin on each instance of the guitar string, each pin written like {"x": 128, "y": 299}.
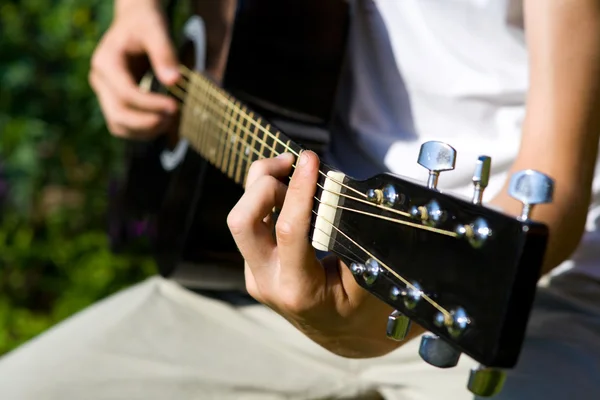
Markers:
{"x": 224, "y": 128}
{"x": 179, "y": 92}
{"x": 186, "y": 73}
{"x": 446, "y": 313}
{"x": 240, "y": 110}
{"x": 246, "y": 130}
{"x": 353, "y": 256}
{"x": 221, "y": 139}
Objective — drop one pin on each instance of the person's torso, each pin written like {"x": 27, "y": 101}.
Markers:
{"x": 453, "y": 70}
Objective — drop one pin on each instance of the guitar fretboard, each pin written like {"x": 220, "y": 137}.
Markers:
{"x": 226, "y": 132}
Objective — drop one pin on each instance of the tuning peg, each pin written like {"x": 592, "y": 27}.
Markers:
{"x": 438, "y": 352}
{"x": 486, "y": 382}
{"x": 481, "y": 177}
{"x": 436, "y": 157}
{"x": 530, "y": 188}
{"x": 398, "y": 326}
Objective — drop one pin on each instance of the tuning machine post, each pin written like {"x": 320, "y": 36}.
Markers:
{"x": 369, "y": 271}
{"x": 531, "y": 187}
{"x": 481, "y": 177}
{"x": 436, "y": 157}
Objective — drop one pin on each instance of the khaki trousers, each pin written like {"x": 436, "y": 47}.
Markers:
{"x": 156, "y": 340}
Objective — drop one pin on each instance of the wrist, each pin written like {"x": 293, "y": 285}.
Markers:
{"x": 133, "y": 7}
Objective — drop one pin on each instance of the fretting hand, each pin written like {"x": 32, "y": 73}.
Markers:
{"x": 321, "y": 299}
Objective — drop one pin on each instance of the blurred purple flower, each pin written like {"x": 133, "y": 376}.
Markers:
{"x": 142, "y": 228}
{"x": 139, "y": 228}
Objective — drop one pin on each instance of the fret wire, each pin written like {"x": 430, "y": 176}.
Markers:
{"x": 186, "y": 119}
{"x": 238, "y": 165}
{"x": 238, "y": 144}
{"x": 274, "y": 145}
{"x": 241, "y": 113}
{"x": 212, "y": 122}
{"x": 221, "y": 144}
{"x": 265, "y": 132}
{"x": 214, "y": 143}
{"x": 287, "y": 146}
{"x": 201, "y": 116}
{"x": 223, "y": 127}
{"x": 235, "y": 137}
{"x": 246, "y": 148}
{"x": 227, "y": 141}
{"x": 205, "y": 129}
{"x": 231, "y": 140}
{"x": 217, "y": 90}
{"x": 238, "y": 127}
{"x": 251, "y": 149}
{"x": 195, "y": 114}
{"x": 262, "y": 145}
{"x": 192, "y": 119}
{"x": 268, "y": 146}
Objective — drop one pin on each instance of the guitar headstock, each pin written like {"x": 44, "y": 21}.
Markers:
{"x": 463, "y": 271}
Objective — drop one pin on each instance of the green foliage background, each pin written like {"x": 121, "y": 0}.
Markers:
{"x": 56, "y": 158}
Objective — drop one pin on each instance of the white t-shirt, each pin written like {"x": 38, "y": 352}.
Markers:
{"x": 449, "y": 70}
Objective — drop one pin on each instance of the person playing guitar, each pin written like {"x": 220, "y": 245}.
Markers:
{"x": 516, "y": 79}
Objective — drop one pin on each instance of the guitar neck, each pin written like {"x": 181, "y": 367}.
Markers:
{"x": 227, "y": 133}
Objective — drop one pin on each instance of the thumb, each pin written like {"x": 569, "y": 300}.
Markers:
{"x": 161, "y": 52}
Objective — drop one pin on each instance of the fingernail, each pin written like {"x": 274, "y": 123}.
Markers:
{"x": 286, "y": 156}
{"x": 303, "y": 159}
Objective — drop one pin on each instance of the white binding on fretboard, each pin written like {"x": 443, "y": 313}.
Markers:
{"x": 195, "y": 31}
{"x": 327, "y": 212}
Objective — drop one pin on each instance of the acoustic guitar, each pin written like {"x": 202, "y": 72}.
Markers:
{"x": 463, "y": 271}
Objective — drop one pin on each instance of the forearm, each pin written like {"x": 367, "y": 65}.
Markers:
{"x": 218, "y": 17}
{"x": 560, "y": 131}
{"x": 123, "y": 7}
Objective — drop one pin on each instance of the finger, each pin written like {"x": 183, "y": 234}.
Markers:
{"x": 111, "y": 66}
{"x": 252, "y": 235}
{"x": 278, "y": 167}
{"x": 293, "y": 226}
{"x": 125, "y": 122}
{"x": 161, "y": 52}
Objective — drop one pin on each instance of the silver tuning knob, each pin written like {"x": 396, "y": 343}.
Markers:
{"x": 481, "y": 177}
{"x": 530, "y": 188}
{"x": 398, "y": 326}
{"x": 486, "y": 382}
{"x": 437, "y": 352}
{"x": 436, "y": 157}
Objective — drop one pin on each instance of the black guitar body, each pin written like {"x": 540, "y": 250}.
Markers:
{"x": 284, "y": 60}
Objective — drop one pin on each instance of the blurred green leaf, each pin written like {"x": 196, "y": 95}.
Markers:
{"x": 56, "y": 159}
